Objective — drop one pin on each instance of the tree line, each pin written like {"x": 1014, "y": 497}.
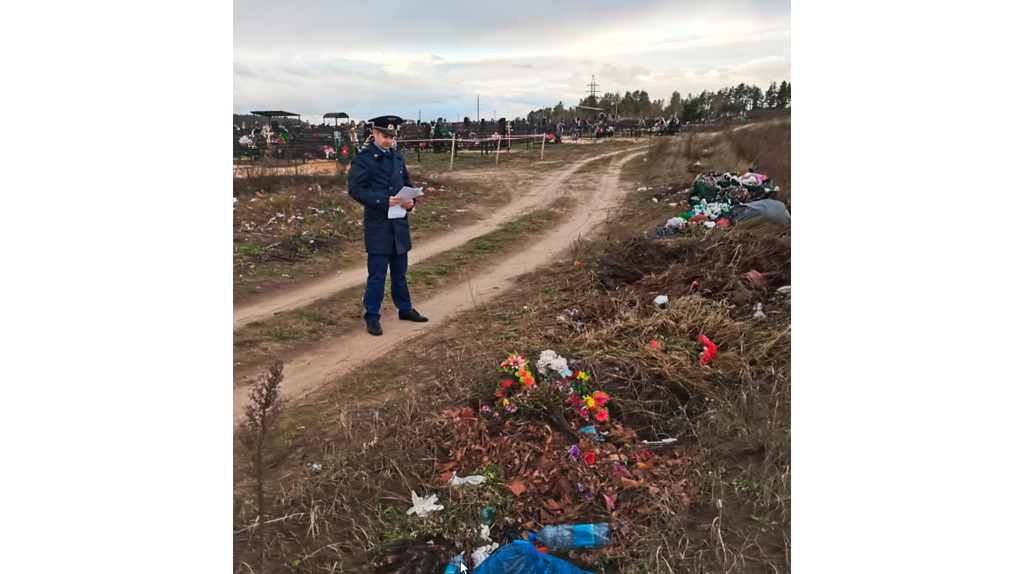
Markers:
{"x": 704, "y": 106}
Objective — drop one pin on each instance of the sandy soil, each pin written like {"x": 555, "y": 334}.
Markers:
{"x": 548, "y": 190}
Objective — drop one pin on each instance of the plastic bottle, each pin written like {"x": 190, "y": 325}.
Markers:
{"x": 574, "y": 536}
{"x": 454, "y": 566}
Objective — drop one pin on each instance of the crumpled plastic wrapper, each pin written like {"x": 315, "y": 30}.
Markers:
{"x": 424, "y": 506}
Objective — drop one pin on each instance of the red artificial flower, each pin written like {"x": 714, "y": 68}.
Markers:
{"x": 710, "y": 350}
{"x": 506, "y": 383}
{"x": 576, "y": 401}
{"x": 655, "y": 344}
{"x": 601, "y": 415}
{"x": 590, "y": 458}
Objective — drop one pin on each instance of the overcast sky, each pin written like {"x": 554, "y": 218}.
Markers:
{"x": 434, "y": 58}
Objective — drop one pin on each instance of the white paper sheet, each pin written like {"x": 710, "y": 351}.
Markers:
{"x": 406, "y": 193}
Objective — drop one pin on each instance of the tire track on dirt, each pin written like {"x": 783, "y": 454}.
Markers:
{"x": 342, "y": 354}
{"x": 348, "y": 278}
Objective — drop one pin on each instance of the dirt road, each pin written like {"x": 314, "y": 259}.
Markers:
{"x": 546, "y": 191}
{"x": 340, "y": 355}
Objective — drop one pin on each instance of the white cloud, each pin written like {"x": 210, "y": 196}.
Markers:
{"x": 316, "y": 58}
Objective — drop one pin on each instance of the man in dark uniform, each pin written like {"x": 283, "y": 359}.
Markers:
{"x": 376, "y": 175}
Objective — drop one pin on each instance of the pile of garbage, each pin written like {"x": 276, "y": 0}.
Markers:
{"x": 568, "y": 469}
{"x": 733, "y": 188}
{"x": 721, "y": 200}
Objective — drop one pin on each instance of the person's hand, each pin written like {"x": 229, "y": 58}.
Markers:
{"x": 408, "y": 205}
{"x": 394, "y": 200}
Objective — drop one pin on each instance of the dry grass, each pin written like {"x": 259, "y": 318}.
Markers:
{"x": 377, "y": 438}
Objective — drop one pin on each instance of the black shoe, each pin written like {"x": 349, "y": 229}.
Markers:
{"x": 373, "y": 328}
{"x": 413, "y": 316}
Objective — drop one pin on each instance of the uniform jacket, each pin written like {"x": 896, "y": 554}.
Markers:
{"x": 372, "y": 179}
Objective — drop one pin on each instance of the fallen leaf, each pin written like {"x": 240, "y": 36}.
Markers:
{"x": 443, "y": 466}
{"x": 653, "y": 489}
{"x": 445, "y": 477}
{"x": 552, "y": 504}
{"x": 516, "y": 486}
{"x": 629, "y": 483}
{"x": 643, "y": 466}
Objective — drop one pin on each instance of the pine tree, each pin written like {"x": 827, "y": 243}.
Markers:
{"x": 771, "y": 97}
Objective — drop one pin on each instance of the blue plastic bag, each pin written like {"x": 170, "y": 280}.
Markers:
{"x": 520, "y": 557}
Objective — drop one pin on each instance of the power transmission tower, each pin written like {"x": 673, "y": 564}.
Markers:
{"x": 478, "y": 109}
{"x": 593, "y": 89}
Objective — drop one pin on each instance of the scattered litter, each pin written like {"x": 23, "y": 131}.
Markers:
{"x": 475, "y": 480}
{"x": 756, "y": 278}
{"x": 461, "y": 210}
{"x": 550, "y": 362}
{"x": 316, "y": 468}
{"x": 591, "y": 430}
{"x": 488, "y": 515}
{"x": 660, "y": 300}
{"x": 662, "y": 441}
{"x": 785, "y": 291}
{"x": 676, "y": 223}
{"x": 424, "y": 506}
{"x": 482, "y": 553}
{"x": 522, "y": 557}
{"x": 234, "y": 200}
{"x": 574, "y": 536}
{"x": 654, "y": 199}
{"x": 758, "y": 311}
{"x": 709, "y": 224}
{"x": 456, "y": 566}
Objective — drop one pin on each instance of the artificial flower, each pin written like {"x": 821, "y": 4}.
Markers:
{"x": 576, "y": 401}
{"x": 528, "y": 381}
{"x": 710, "y": 350}
{"x": 485, "y": 409}
{"x": 506, "y": 383}
{"x": 601, "y": 415}
{"x": 582, "y": 376}
{"x": 655, "y": 344}
{"x": 601, "y": 397}
{"x": 574, "y": 452}
{"x": 590, "y": 401}
{"x": 590, "y": 458}
{"x": 583, "y": 414}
